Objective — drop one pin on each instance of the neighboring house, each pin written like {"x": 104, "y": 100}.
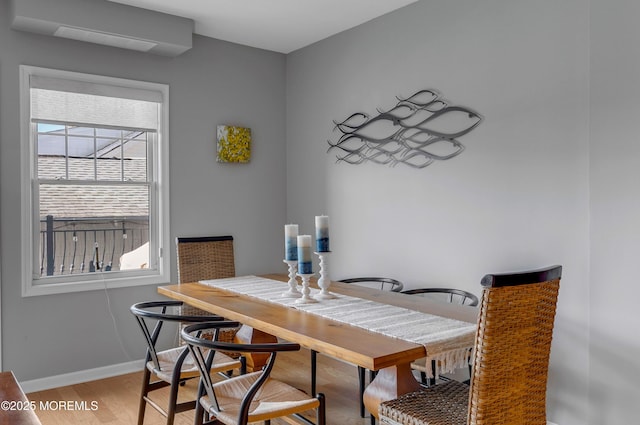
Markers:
{"x": 88, "y": 228}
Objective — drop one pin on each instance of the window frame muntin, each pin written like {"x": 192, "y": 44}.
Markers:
{"x": 158, "y": 202}
{"x": 151, "y": 148}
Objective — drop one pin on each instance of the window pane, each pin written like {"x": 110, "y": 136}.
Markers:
{"x": 69, "y": 247}
{"x": 135, "y": 159}
{"x": 109, "y": 133}
{"x": 109, "y": 147}
{"x": 51, "y": 156}
{"x": 75, "y": 219}
{"x": 81, "y": 146}
{"x": 51, "y": 167}
{"x": 81, "y": 168}
{"x": 45, "y": 127}
{"x": 81, "y": 158}
{"x": 51, "y": 144}
{"x": 90, "y": 201}
{"x": 80, "y": 131}
{"x": 110, "y": 159}
{"x": 139, "y": 135}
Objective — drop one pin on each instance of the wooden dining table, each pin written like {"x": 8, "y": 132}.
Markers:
{"x": 390, "y": 356}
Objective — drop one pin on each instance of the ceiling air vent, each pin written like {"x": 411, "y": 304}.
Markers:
{"x": 104, "y": 38}
{"x": 105, "y": 22}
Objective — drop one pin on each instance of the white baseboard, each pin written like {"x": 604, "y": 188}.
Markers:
{"x": 81, "y": 376}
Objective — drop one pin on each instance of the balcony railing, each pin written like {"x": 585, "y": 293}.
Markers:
{"x": 87, "y": 245}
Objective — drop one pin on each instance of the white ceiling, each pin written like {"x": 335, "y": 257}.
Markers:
{"x": 278, "y": 25}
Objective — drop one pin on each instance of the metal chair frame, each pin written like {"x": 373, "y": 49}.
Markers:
{"x": 144, "y": 311}
{"x": 396, "y": 285}
{"x": 454, "y": 295}
{"x": 458, "y": 296}
{"x": 204, "y": 359}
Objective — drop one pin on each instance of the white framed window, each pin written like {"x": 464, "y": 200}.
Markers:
{"x": 95, "y": 181}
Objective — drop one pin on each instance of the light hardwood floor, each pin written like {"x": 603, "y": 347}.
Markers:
{"x": 117, "y": 398}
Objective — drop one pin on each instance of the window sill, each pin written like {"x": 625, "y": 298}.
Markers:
{"x": 98, "y": 282}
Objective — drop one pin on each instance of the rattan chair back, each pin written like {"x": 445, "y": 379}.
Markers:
{"x": 513, "y": 342}
{"x": 510, "y": 361}
{"x": 203, "y": 258}
{"x": 207, "y": 257}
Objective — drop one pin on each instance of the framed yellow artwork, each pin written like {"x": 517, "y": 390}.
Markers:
{"x": 234, "y": 143}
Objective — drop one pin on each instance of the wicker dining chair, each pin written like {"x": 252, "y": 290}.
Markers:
{"x": 253, "y": 397}
{"x": 204, "y": 258}
{"x": 449, "y": 295}
{"x": 510, "y": 360}
{"x": 173, "y": 366}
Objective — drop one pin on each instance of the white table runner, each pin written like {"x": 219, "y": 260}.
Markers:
{"x": 445, "y": 340}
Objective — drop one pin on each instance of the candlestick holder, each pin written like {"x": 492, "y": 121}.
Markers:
{"x": 305, "y": 299}
{"x": 324, "y": 282}
{"x": 293, "y": 291}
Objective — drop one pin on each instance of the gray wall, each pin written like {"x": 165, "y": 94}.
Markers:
{"x": 550, "y": 176}
{"x": 517, "y": 197}
{"x": 214, "y": 83}
{"x": 614, "y": 369}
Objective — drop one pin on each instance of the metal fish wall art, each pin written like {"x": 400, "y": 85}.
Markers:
{"x": 417, "y": 131}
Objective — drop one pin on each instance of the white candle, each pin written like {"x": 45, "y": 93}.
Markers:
{"x": 304, "y": 254}
{"x": 322, "y": 233}
{"x": 291, "y": 242}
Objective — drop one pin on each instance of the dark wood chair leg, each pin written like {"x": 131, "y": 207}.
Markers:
{"x": 199, "y": 418}
{"x": 146, "y": 378}
{"x": 173, "y": 400}
{"x": 321, "y": 416}
{"x": 243, "y": 365}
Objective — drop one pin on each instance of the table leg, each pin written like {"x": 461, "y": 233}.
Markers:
{"x": 248, "y": 335}
{"x": 388, "y": 384}
{"x": 314, "y": 369}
